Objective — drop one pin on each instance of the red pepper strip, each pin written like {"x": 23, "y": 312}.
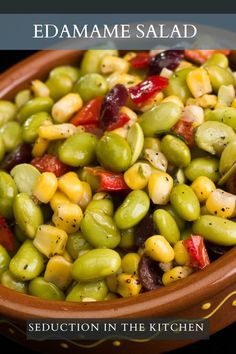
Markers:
{"x": 143, "y": 91}
{"x": 197, "y": 251}
{"x": 6, "y": 235}
{"x": 109, "y": 181}
{"x": 200, "y": 56}
{"x": 184, "y": 128}
{"x": 93, "y": 129}
{"x": 140, "y": 61}
{"x": 50, "y": 163}
{"x": 89, "y": 114}
{"x": 122, "y": 120}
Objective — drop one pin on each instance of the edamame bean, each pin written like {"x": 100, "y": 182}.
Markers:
{"x": 19, "y": 234}
{"x": 4, "y": 260}
{"x": 216, "y": 229}
{"x": 9, "y": 281}
{"x": 27, "y": 263}
{"x": 166, "y": 225}
{"x": 11, "y": 133}
{"x": 22, "y": 97}
{"x": 7, "y": 111}
{"x": 35, "y": 105}
{"x": 99, "y": 229}
{"x": 59, "y": 86}
{"x": 160, "y": 118}
{"x": 96, "y": 290}
{"x": 2, "y": 148}
{"x": 218, "y": 59}
{"x": 185, "y": 202}
{"x": 179, "y": 221}
{"x": 105, "y": 205}
{"x": 76, "y": 243}
{"x": 213, "y": 137}
{"x": 92, "y": 58}
{"x": 96, "y": 264}
{"x": 225, "y": 115}
{"x": 32, "y": 124}
{"x": 28, "y": 215}
{"x": 132, "y": 210}
{"x": 228, "y": 157}
{"x": 177, "y": 85}
{"x": 219, "y": 76}
{"x": 72, "y": 72}
{"x": 176, "y": 151}
{"x": 127, "y": 238}
{"x": 203, "y": 166}
{"x": 8, "y": 192}
{"x": 113, "y": 152}
{"x": 78, "y": 150}
{"x": 25, "y": 177}
{"x": 45, "y": 290}
{"x": 86, "y": 176}
{"x": 91, "y": 86}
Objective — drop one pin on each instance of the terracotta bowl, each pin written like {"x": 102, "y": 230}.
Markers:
{"x": 210, "y": 293}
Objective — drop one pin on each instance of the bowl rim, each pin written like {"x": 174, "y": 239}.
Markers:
{"x": 165, "y": 301}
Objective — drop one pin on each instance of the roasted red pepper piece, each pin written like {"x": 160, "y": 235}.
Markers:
{"x": 197, "y": 251}
{"x": 146, "y": 89}
{"x": 109, "y": 181}
{"x": 121, "y": 121}
{"x": 89, "y": 114}
{"x": 50, "y": 163}
{"x": 184, "y": 129}
{"x": 140, "y": 61}
{"x": 93, "y": 129}
{"x": 200, "y": 56}
{"x": 6, "y": 235}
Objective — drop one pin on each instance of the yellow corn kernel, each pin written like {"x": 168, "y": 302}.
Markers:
{"x": 125, "y": 79}
{"x": 58, "y": 199}
{"x": 128, "y": 285}
{"x": 129, "y": 56}
{"x": 226, "y": 95}
{"x": 57, "y": 131}
{"x": 184, "y": 64}
{"x": 152, "y": 143}
{"x": 181, "y": 254}
{"x": 86, "y": 196}
{"x": 207, "y": 101}
{"x": 160, "y": 185}
{"x": 137, "y": 176}
{"x": 58, "y": 272}
{"x": 63, "y": 109}
{"x": 123, "y": 132}
{"x": 156, "y": 159}
{"x": 110, "y": 64}
{"x": 152, "y": 102}
{"x": 198, "y": 82}
{"x": 166, "y": 73}
{"x": 159, "y": 249}
{"x": 234, "y": 103}
{"x": 68, "y": 217}
{"x": 176, "y": 273}
{"x": 112, "y": 282}
{"x": 40, "y": 147}
{"x": 40, "y": 89}
{"x": 50, "y": 240}
{"x": 191, "y": 101}
{"x": 174, "y": 99}
{"x": 202, "y": 187}
{"x": 131, "y": 114}
{"x": 130, "y": 262}
{"x": 194, "y": 114}
{"x": 45, "y": 187}
{"x": 221, "y": 203}
{"x": 70, "y": 184}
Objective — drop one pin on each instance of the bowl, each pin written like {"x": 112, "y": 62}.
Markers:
{"x": 209, "y": 294}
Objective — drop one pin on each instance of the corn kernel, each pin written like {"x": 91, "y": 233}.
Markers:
{"x": 221, "y": 203}
{"x": 70, "y": 184}
{"x": 159, "y": 249}
{"x": 198, "y": 82}
{"x": 57, "y": 131}
{"x": 137, "y": 176}
{"x": 181, "y": 254}
{"x": 110, "y": 64}
{"x": 202, "y": 187}
{"x": 193, "y": 113}
{"x": 129, "y": 263}
{"x": 40, "y": 147}
{"x": 86, "y": 196}
{"x": 160, "y": 185}
{"x": 207, "y": 101}
{"x": 128, "y": 285}
{"x": 176, "y": 273}
{"x": 58, "y": 199}
{"x": 184, "y": 64}
{"x": 174, "y": 99}
{"x": 125, "y": 79}
{"x": 63, "y": 109}
{"x": 153, "y": 101}
{"x": 68, "y": 217}
{"x": 40, "y": 89}
{"x": 45, "y": 187}
{"x": 50, "y": 240}
{"x": 156, "y": 159}
{"x": 58, "y": 272}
